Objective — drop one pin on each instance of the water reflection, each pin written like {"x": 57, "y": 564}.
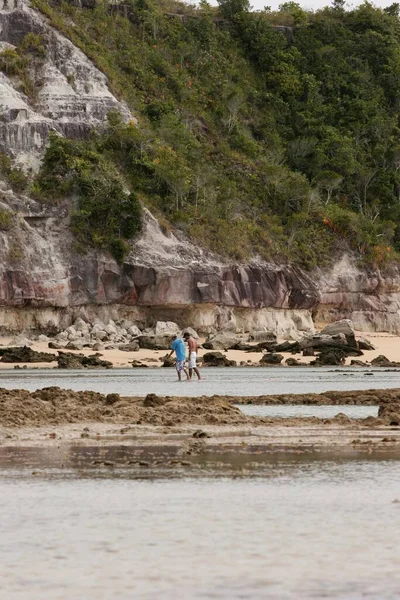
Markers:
{"x": 311, "y": 529}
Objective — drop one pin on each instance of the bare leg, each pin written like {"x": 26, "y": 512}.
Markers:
{"x": 187, "y": 375}
{"x": 196, "y": 370}
{"x": 190, "y": 373}
{"x": 179, "y": 375}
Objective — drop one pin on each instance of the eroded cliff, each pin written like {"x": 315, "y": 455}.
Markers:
{"x": 45, "y": 284}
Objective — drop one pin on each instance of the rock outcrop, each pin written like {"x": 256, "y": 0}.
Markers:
{"x": 45, "y": 285}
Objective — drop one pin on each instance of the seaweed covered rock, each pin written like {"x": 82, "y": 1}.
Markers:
{"x": 67, "y": 360}
{"x": 25, "y": 354}
{"x": 271, "y": 359}
{"x": 217, "y": 359}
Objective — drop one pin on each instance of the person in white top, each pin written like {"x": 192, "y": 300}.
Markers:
{"x": 193, "y": 350}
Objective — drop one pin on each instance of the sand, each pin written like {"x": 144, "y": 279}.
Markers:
{"x": 386, "y": 344}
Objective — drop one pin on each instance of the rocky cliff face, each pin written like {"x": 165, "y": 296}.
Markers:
{"x": 43, "y": 283}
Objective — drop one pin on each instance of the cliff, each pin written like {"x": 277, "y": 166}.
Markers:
{"x": 46, "y": 284}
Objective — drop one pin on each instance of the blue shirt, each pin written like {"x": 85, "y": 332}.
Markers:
{"x": 179, "y": 347}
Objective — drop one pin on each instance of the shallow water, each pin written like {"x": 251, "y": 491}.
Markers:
{"x": 303, "y": 530}
{"x": 226, "y": 381}
{"x": 302, "y": 410}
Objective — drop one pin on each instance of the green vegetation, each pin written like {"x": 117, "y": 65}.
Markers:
{"x": 252, "y": 139}
{"x": 14, "y": 176}
{"x": 24, "y": 62}
{"x": 105, "y": 215}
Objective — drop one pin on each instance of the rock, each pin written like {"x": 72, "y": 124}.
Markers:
{"x": 330, "y": 356}
{"x": 155, "y": 342}
{"x": 382, "y": 361}
{"x": 97, "y": 346}
{"x": 365, "y": 344}
{"x": 133, "y": 330}
{"x": 321, "y": 341}
{"x": 100, "y": 334}
{"x": 25, "y": 354}
{"x": 358, "y": 363}
{"x": 168, "y": 362}
{"x": 293, "y": 347}
{"x": 62, "y": 336}
{"x": 81, "y": 325}
{"x": 56, "y": 345}
{"x": 74, "y": 345}
{"x": 131, "y": 347}
{"x": 292, "y": 362}
{"x": 199, "y": 433}
{"x": 308, "y": 352}
{"x": 271, "y": 359}
{"x": 110, "y": 329}
{"x": 262, "y": 336}
{"x": 67, "y": 360}
{"x": 136, "y": 364}
{"x": 112, "y": 399}
{"x": 389, "y": 411}
{"x": 344, "y": 326}
{"x": 224, "y": 340}
{"x": 217, "y": 359}
{"x": 152, "y": 401}
{"x": 166, "y": 328}
{"x": 192, "y": 332}
{"x": 43, "y": 339}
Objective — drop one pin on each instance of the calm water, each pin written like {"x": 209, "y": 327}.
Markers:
{"x": 225, "y": 381}
{"x": 304, "y": 530}
{"x": 302, "y": 410}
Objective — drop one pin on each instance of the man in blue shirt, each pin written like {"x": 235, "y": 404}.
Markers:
{"x": 178, "y": 346}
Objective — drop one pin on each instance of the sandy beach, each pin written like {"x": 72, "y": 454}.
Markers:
{"x": 385, "y": 343}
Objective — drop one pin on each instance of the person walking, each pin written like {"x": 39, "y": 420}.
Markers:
{"x": 178, "y": 347}
{"x": 193, "y": 350}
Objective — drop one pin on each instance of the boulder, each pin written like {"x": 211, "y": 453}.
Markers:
{"x": 136, "y": 364}
{"x": 192, "y": 332}
{"x": 308, "y": 352}
{"x": 271, "y": 359}
{"x": 293, "y": 347}
{"x": 133, "y": 331}
{"x": 320, "y": 340}
{"x": 131, "y": 347}
{"x": 166, "y": 328}
{"x": 66, "y": 360}
{"x": 344, "y": 326}
{"x": 76, "y": 345}
{"x": 217, "y": 359}
{"x": 43, "y": 339}
{"x": 155, "y": 342}
{"x": 382, "y": 361}
{"x": 100, "y": 334}
{"x": 56, "y": 345}
{"x": 168, "y": 361}
{"x": 365, "y": 344}
{"x": 262, "y": 336}
{"x": 292, "y": 362}
{"x": 81, "y": 325}
{"x": 224, "y": 340}
{"x": 358, "y": 363}
{"x": 111, "y": 329}
{"x": 330, "y": 356}
{"x": 25, "y": 354}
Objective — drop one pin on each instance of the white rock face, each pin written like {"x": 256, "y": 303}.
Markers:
{"x": 73, "y": 98}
